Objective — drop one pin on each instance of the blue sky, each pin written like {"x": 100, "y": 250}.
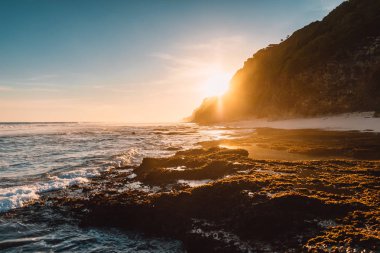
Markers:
{"x": 131, "y": 61}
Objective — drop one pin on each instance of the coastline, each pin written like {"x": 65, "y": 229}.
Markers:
{"x": 224, "y": 200}
{"x": 356, "y": 121}
{"x": 304, "y": 144}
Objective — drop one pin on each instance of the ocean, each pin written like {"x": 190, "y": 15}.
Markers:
{"x": 36, "y": 158}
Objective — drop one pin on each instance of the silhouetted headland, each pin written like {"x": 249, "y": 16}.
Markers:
{"x": 328, "y": 67}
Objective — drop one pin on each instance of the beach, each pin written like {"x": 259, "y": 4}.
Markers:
{"x": 216, "y": 189}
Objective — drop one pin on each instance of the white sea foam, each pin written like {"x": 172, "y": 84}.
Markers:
{"x": 130, "y": 157}
{"x": 88, "y": 173}
{"x": 131, "y": 176}
{"x": 19, "y": 196}
{"x": 178, "y": 168}
{"x": 194, "y": 183}
{"x": 31, "y": 151}
{"x": 139, "y": 187}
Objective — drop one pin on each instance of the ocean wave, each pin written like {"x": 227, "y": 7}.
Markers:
{"x": 130, "y": 157}
{"x": 36, "y": 158}
{"x": 19, "y": 196}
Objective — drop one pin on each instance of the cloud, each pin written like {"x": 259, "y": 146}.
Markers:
{"x": 188, "y": 66}
{"x": 198, "y": 57}
{"x": 6, "y": 88}
{"x": 43, "y": 77}
{"x": 22, "y": 87}
{"x": 35, "y": 83}
{"x": 217, "y": 43}
{"x": 162, "y": 56}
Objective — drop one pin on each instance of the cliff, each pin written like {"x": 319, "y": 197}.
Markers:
{"x": 328, "y": 67}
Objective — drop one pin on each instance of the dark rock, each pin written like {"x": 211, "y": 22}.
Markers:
{"x": 274, "y": 207}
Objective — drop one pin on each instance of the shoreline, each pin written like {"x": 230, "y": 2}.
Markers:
{"x": 243, "y": 205}
{"x": 360, "y": 121}
{"x": 216, "y": 199}
{"x": 304, "y": 144}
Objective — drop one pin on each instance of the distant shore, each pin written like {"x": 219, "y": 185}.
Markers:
{"x": 304, "y": 144}
{"x": 361, "y": 121}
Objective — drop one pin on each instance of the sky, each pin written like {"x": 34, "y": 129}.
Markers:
{"x": 132, "y": 61}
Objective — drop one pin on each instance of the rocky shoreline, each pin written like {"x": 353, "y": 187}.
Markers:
{"x": 220, "y": 200}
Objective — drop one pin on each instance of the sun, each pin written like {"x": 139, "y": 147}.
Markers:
{"x": 216, "y": 84}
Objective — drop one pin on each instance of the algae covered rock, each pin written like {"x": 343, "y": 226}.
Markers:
{"x": 242, "y": 205}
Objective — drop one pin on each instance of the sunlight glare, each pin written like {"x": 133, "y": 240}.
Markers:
{"x": 217, "y": 84}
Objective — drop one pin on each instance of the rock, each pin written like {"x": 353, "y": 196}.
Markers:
{"x": 275, "y": 206}
{"x": 195, "y": 164}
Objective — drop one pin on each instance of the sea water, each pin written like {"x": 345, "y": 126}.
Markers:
{"x": 41, "y": 157}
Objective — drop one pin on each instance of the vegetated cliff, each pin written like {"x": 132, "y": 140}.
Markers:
{"x": 328, "y": 67}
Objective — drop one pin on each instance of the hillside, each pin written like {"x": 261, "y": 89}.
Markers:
{"x": 328, "y": 67}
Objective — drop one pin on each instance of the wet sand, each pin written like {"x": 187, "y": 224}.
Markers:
{"x": 305, "y": 144}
